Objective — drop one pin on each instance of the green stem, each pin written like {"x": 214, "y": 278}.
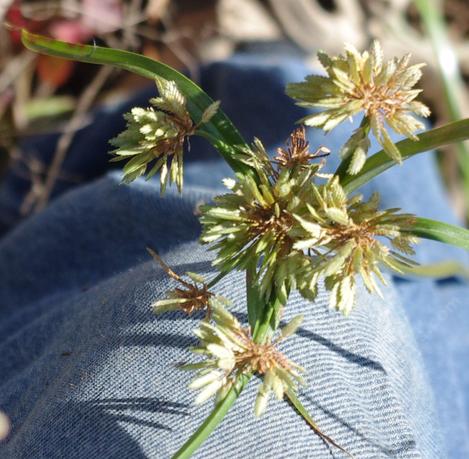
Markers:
{"x": 213, "y": 420}
{"x": 265, "y": 328}
{"x": 222, "y": 408}
{"x": 216, "y": 279}
{"x": 254, "y": 301}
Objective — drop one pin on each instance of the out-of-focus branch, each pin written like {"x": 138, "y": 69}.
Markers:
{"x": 84, "y": 104}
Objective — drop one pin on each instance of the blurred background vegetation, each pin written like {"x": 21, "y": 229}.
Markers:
{"x": 40, "y": 94}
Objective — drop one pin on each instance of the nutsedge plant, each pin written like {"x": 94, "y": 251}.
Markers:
{"x": 155, "y": 136}
{"x": 364, "y": 82}
{"x": 282, "y": 220}
{"x": 230, "y": 350}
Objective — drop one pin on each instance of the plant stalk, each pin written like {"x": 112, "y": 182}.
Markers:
{"x": 222, "y": 407}
{"x": 213, "y": 420}
{"x": 450, "y": 74}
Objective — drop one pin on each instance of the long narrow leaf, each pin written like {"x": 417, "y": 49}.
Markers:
{"x": 220, "y": 130}
{"x": 380, "y": 162}
{"x": 439, "y": 270}
{"x": 442, "y": 232}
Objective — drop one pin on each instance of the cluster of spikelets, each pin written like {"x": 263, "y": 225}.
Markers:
{"x": 251, "y": 224}
{"x": 298, "y": 225}
{"x": 364, "y": 83}
{"x": 355, "y": 83}
{"x": 154, "y": 138}
{"x": 292, "y": 223}
{"x": 343, "y": 239}
{"x": 229, "y": 351}
{"x": 191, "y": 296}
{"x": 228, "y": 348}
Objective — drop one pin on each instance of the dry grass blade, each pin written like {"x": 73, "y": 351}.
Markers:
{"x": 452, "y": 82}
{"x": 14, "y": 68}
{"x": 84, "y": 104}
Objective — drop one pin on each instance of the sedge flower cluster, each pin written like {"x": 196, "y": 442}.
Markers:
{"x": 343, "y": 238}
{"x": 154, "y": 138}
{"x": 252, "y": 224}
{"x": 364, "y": 83}
{"x": 230, "y": 351}
{"x": 297, "y": 225}
{"x": 189, "y": 297}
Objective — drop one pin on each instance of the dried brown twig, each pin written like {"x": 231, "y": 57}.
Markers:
{"x": 83, "y": 105}
{"x": 34, "y": 170}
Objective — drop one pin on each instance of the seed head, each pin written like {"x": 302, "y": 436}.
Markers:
{"x": 189, "y": 298}
{"x": 364, "y": 82}
{"x": 342, "y": 237}
{"x": 230, "y": 351}
{"x": 251, "y": 223}
{"x": 298, "y": 226}
{"x": 154, "y": 138}
{"x": 297, "y": 152}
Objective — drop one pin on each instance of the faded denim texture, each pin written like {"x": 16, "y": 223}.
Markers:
{"x": 87, "y": 371}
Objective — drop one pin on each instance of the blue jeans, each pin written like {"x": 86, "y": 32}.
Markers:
{"x": 87, "y": 371}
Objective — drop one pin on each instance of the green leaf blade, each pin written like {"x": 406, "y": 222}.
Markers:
{"x": 221, "y": 132}
{"x": 380, "y": 162}
{"x": 441, "y": 232}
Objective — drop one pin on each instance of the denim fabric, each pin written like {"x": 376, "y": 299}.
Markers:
{"x": 86, "y": 370}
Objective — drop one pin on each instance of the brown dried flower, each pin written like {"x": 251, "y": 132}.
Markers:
{"x": 190, "y": 298}
{"x": 297, "y": 152}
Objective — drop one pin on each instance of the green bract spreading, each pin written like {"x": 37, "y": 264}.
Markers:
{"x": 363, "y": 82}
